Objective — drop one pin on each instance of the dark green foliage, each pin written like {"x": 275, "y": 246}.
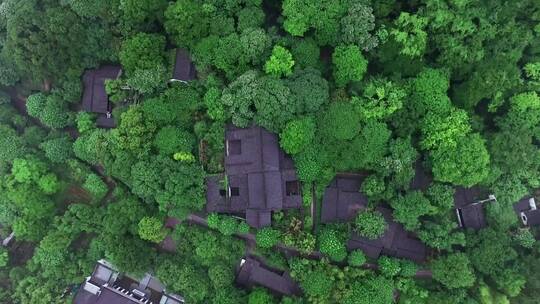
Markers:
{"x": 171, "y": 139}
{"x": 340, "y": 121}
{"x": 177, "y": 187}
{"x": 141, "y": 52}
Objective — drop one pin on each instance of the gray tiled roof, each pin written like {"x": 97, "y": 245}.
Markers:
{"x": 472, "y": 215}
{"x": 523, "y": 206}
{"x": 252, "y": 273}
{"x": 95, "y": 99}
{"x": 342, "y": 199}
{"x": 258, "y": 170}
{"x": 184, "y": 69}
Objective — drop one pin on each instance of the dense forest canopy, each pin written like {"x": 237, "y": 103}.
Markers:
{"x": 377, "y": 88}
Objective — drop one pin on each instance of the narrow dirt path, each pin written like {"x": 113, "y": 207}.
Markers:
{"x": 168, "y": 244}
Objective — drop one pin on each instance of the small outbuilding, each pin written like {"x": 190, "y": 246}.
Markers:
{"x": 184, "y": 69}
{"x": 470, "y": 207}
{"x": 342, "y": 199}
{"x": 95, "y": 99}
{"x": 527, "y": 211}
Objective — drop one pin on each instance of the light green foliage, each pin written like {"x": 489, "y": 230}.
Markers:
{"x": 373, "y": 185}
{"x": 443, "y": 130}
{"x": 85, "y": 122}
{"x": 532, "y": 70}
{"x": 35, "y": 104}
{"x": 389, "y": 267}
{"x": 453, "y": 271}
{"x": 356, "y": 258}
{"x": 332, "y": 243}
{"x": 26, "y": 170}
{"x": 525, "y": 238}
{"x": 409, "y": 33}
{"x": 134, "y": 134}
{"x": 170, "y": 140}
{"x": 212, "y": 100}
{"x": 148, "y": 81}
{"x": 49, "y": 183}
{"x": 151, "y": 229}
{"x": 4, "y": 257}
{"x": 297, "y": 135}
{"x": 409, "y": 208}
{"x": 97, "y": 187}
{"x": 267, "y": 237}
{"x": 186, "y": 157}
{"x": 370, "y": 224}
{"x": 227, "y": 225}
{"x": 465, "y": 165}
{"x": 260, "y": 296}
{"x": 380, "y": 98}
{"x": 441, "y": 196}
{"x": 280, "y": 62}
{"x": 213, "y": 220}
{"x": 57, "y": 150}
{"x": 340, "y": 121}
{"x": 349, "y": 64}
